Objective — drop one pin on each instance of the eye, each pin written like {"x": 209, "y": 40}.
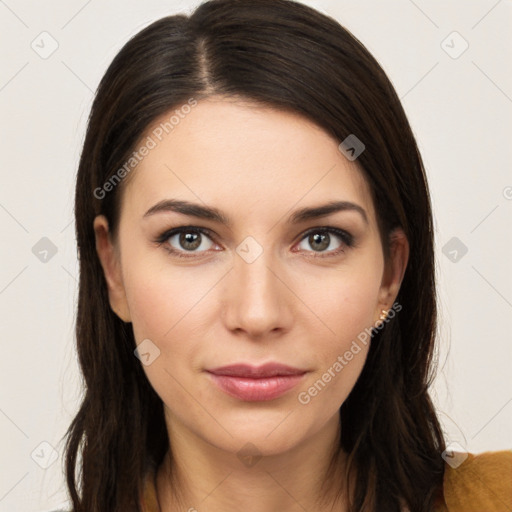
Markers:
{"x": 321, "y": 239}
{"x": 186, "y": 239}
{"x": 195, "y": 240}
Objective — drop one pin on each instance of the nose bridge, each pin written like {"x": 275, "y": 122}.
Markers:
{"x": 257, "y": 299}
{"x": 257, "y": 281}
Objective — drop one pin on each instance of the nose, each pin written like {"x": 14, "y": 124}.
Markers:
{"x": 256, "y": 300}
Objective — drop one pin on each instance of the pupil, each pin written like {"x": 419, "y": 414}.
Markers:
{"x": 190, "y": 240}
{"x": 322, "y": 239}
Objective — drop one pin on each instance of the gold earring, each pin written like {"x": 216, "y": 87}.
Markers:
{"x": 384, "y": 314}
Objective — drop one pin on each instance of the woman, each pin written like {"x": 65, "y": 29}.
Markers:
{"x": 256, "y": 318}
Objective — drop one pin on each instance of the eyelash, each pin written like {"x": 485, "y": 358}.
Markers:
{"x": 346, "y": 238}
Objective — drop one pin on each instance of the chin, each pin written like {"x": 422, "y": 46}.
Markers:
{"x": 257, "y": 443}
{"x": 266, "y": 433}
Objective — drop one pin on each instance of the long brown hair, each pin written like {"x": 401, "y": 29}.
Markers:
{"x": 285, "y": 55}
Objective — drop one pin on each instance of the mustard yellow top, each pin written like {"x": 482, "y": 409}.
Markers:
{"x": 481, "y": 483}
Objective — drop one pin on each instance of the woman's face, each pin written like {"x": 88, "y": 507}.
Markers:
{"x": 261, "y": 282}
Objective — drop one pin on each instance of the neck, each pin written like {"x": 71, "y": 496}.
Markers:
{"x": 196, "y": 476}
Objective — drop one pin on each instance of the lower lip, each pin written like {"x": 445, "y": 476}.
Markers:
{"x": 256, "y": 390}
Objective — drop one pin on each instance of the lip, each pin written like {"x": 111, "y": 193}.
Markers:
{"x": 256, "y": 383}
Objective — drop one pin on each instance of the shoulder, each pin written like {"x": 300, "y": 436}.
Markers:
{"x": 478, "y": 482}
{"x": 149, "y": 500}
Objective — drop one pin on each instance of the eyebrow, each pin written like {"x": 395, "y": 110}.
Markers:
{"x": 211, "y": 213}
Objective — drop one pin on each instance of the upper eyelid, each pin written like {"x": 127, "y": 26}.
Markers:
{"x": 180, "y": 229}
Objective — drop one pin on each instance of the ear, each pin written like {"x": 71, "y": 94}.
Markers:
{"x": 394, "y": 270}
{"x": 109, "y": 259}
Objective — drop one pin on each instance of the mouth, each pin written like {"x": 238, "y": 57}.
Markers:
{"x": 256, "y": 383}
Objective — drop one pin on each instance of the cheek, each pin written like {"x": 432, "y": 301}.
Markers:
{"x": 162, "y": 298}
{"x": 172, "y": 307}
{"x": 346, "y": 303}
{"x": 173, "y": 310}
{"x": 344, "y": 300}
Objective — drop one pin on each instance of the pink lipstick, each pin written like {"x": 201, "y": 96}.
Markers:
{"x": 256, "y": 383}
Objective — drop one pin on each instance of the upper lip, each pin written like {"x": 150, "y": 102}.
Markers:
{"x": 251, "y": 371}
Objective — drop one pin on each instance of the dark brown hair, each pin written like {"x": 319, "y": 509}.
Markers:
{"x": 288, "y": 56}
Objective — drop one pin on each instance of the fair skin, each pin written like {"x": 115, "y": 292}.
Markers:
{"x": 257, "y": 166}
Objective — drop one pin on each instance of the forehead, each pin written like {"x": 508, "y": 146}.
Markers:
{"x": 242, "y": 156}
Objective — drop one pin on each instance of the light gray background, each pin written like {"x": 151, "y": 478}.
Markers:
{"x": 460, "y": 110}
